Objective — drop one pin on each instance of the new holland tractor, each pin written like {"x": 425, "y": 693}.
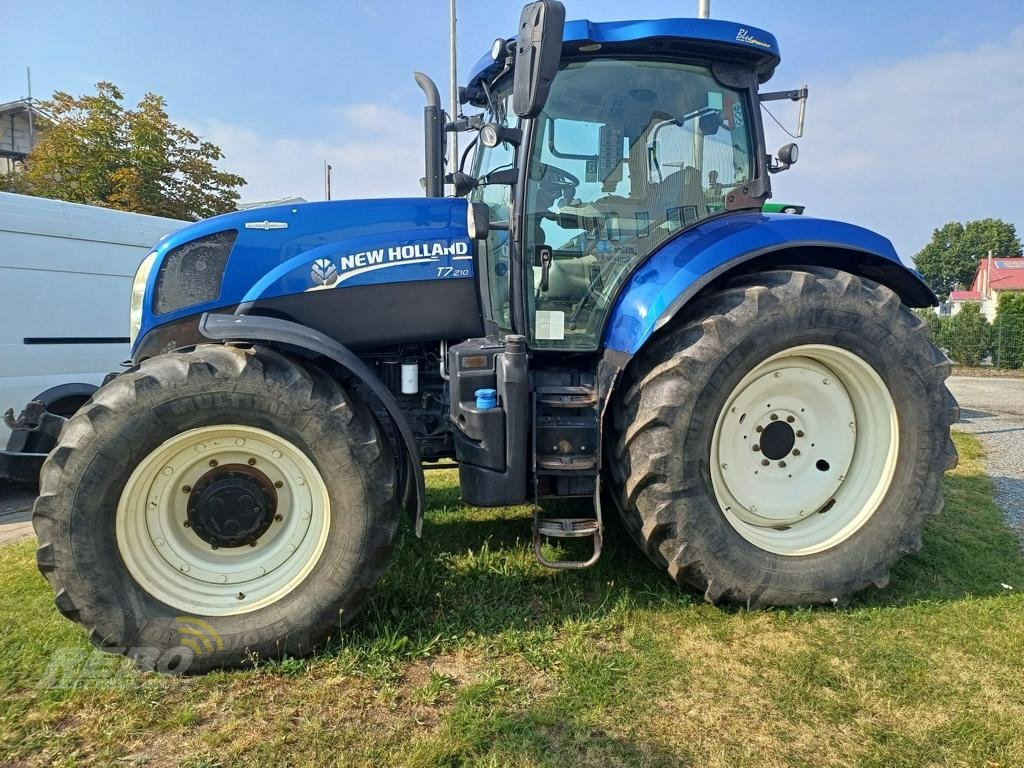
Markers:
{"x": 600, "y": 310}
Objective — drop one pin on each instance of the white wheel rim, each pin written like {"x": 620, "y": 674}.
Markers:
{"x": 173, "y": 564}
{"x": 832, "y": 479}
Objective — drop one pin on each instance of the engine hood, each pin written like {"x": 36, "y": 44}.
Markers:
{"x": 293, "y": 249}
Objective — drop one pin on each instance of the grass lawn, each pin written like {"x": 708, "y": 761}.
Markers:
{"x": 472, "y": 654}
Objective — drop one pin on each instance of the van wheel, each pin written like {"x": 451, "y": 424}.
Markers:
{"x": 216, "y": 506}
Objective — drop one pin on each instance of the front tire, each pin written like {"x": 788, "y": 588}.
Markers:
{"x": 783, "y": 445}
{"x": 215, "y": 506}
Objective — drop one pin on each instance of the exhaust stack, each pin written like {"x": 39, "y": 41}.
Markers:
{"x": 433, "y": 137}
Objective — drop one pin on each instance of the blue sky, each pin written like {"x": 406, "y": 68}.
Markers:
{"x": 914, "y": 117}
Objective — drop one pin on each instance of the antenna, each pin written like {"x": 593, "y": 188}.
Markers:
{"x": 31, "y": 127}
{"x": 453, "y": 137}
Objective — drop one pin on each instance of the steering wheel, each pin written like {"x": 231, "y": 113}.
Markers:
{"x": 555, "y": 183}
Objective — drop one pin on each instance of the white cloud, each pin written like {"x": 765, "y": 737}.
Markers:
{"x": 907, "y": 146}
{"x": 374, "y": 150}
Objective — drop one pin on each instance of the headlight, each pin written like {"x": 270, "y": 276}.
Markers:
{"x": 138, "y": 295}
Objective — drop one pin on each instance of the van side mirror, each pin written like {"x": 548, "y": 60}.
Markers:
{"x": 538, "y": 50}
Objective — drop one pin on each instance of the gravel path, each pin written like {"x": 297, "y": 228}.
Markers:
{"x": 993, "y": 410}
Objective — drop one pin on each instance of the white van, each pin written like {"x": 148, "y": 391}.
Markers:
{"x": 65, "y": 277}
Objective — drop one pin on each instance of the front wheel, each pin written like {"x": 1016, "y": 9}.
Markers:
{"x": 784, "y": 445}
{"x": 215, "y": 506}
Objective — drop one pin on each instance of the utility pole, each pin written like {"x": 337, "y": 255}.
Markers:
{"x": 31, "y": 126}
{"x": 453, "y": 137}
{"x": 703, "y": 9}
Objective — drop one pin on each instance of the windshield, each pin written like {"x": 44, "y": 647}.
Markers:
{"x": 625, "y": 154}
{"x": 495, "y": 255}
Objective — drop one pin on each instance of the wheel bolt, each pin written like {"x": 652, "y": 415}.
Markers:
{"x": 799, "y": 433}
{"x": 759, "y": 428}
{"x": 765, "y": 462}
{"x": 790, "y": 419}
{"x": 782, "y": 464}
{"x": 252, "y": 543}
{"x": 756, "y": 447}
{"x": 214, "y": 546}
{"x": 252, "y": 461}
{"x": 796, "y": 451}
{"x": 186, "y": 489}
{"x": 213, "y": 462}
{"x": 187, "y": 524}
{"x": 279, "y": 518}
{"x": 774, "y": 417}
{"x": 278, "y": 484}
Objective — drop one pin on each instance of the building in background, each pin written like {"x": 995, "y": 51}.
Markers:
{"x": 994, "y": 276}
{"x": 19, "y": 131}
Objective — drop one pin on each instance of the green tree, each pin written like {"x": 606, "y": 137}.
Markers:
{"x": 967, "y": 335}
{"x": 951, "y": 258}
{"x": 1008, "y": 331}
{"x": 96, "y": 151}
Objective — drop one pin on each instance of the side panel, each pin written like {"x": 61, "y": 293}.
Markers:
{"x": 360, "y": 271}
{"x": 685, "y": 264}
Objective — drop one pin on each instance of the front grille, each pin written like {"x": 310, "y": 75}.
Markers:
{"x": 191, "y": 273}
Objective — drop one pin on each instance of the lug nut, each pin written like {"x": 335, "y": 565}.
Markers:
{"x": 774, "y": 417}
{"x": 765, "y": 462}
{"x": 252, "y": 461}
{"x": 187, "y": 524}
{"x": 790, "y": 419}
{"x": 782, "y": 464}
{"x": 796, "y": 451}
{"x": 279, "y": 518}
{"x": 252, "y": 543}
{"x": 759, "y": 428}
{"x": 278, "y": 484}
{"x": 756, "y": 447}
{"x": 213, "y": 462}
{"x": 799, "y": 433}
{"x": 186, "y": 489}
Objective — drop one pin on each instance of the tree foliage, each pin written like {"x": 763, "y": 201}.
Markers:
{"x": 1008, "y": 331}
{"x": 967, "y": 335}
{"x": 951, "y": 258}
{"x": 94, "y": 150}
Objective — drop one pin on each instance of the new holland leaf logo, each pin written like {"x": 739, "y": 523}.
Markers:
{"x": 324, "y": 272}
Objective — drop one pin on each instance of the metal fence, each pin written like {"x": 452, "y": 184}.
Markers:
{"x": 969, "y": 338}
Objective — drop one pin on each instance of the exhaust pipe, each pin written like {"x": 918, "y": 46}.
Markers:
{"x": 433, "y": 137}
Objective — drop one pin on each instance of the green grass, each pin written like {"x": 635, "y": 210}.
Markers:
{"x": 472, "y": 654}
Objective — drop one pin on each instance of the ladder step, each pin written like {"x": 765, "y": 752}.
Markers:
{"x": 568, "y": 527}
{"x": 566, "y": 397}
{"x": 567, "y": 463}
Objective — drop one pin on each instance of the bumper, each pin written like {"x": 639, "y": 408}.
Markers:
{"x": 18, "y": 467}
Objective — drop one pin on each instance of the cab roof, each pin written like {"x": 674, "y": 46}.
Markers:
{"x": 713, "y": 38}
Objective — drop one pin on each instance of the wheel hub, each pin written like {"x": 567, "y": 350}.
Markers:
{"x": 232, "y": 506}
{"x": 777, "y": 440}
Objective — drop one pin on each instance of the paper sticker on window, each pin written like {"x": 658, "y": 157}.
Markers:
{"x": 714, "y": 100}
{"x": 550, "y": 324}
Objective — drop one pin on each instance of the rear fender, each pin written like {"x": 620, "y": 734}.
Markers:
{"x": 252, "y": 328}
{"x": 723, "y": 247}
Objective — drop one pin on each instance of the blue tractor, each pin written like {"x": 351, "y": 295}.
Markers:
{"x": 600, "y": 311}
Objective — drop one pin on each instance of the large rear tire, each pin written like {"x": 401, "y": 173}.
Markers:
{"x": 216, "y": 506}
{"x": 783, "y": 443}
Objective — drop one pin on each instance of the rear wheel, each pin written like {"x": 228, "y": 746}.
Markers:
{"x": 784, "y": 444}
{"x": 215, "y": 506}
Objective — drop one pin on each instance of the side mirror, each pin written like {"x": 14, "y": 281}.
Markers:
{"x": 478, "y": 221}
{"x": 538, "y": 50}
{"x": 709, "y": 123}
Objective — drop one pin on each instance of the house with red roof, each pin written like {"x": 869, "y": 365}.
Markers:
{"x": 995, "y": 275}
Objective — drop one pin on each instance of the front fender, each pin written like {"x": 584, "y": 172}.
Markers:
{"x": 676, "y": 272}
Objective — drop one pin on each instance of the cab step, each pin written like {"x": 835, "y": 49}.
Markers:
{"x": 566, "y": 528}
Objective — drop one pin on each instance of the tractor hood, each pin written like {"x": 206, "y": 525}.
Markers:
{"x": 261, "y": 255}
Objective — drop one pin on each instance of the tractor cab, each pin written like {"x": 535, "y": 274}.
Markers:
{"x": 641, "y": 130}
